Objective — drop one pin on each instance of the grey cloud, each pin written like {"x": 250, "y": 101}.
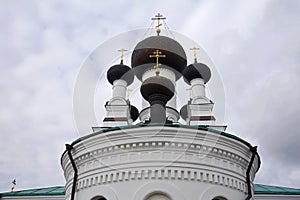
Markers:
{"x": 261, "y": 80}
{"x": 255, "y": 46}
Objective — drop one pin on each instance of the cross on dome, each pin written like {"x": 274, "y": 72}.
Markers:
{"x": 14, "y": 182}
{"x": 128, "y": 93}
{"x": 195, "y": 49}
{"x": 158, "y": 17}
{"x": 157, "y": 54}
{"x": 190, "y": 92}
{"x": 122, "y": 54}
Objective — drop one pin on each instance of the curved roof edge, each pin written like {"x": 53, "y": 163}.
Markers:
{"x": 201, "y": 127}
{"x": 47, "y": 191}
{"x": 260, "y": 189}
{"x": 276, "y": 190}
{"x": 204, "y": 128}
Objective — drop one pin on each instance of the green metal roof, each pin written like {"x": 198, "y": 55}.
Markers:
{"x": 60, "y": 190}
{"x": 201, "y": 127}
{"x": 276, "y": 190}
{"x": 49, "y": 191}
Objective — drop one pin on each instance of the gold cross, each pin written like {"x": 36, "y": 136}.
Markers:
{"x": 195, "y": 49}
{"x": 128, "y": 93}
{"x": 158, "y": 17}
{"x": 190, "y": 92}
{"x": 14, "y": 182}
{"x": 157, "y": 55}
{"x": 122, "y": 54}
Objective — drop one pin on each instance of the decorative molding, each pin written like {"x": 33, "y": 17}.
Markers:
{"x": 159, "y": 153}
{"x": 162, "y": 145}
{"x": 162, "y": 174}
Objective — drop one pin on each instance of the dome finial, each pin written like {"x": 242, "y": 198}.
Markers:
{"x": 157, "y": 54}
{"x": 158, "y": 17}
{"x": 195, "y": 49}
{"x": 128, "y": 93}
{"x": 14, "y": 182}
{"x": 190, "y": 92}
{"x": 122, "y": 54}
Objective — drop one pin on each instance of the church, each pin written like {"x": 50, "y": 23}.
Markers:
{"x": 160, "y": 152}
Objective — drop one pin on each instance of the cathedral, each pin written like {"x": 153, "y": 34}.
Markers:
{"x": 160, "y": 152}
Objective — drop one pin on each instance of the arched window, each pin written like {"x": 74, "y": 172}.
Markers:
{"x": 158, "y": 196}
{"x": 219, "y": 198}
{"x": 98, "y": 198}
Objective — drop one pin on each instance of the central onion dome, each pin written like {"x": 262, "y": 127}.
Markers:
{"x": 157, "y": 90}
{"x": 175, "y": 56}
{"x": 157, "y": 86}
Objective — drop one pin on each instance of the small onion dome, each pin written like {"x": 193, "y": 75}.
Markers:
{"x": 196, "y": 70}
{"x": 134, "y": 112}
{"x": 175, "y": 58}
{"x": 157, "y": 86}
{"x": 118, "y": 72}
{"x": 184, "y": 112}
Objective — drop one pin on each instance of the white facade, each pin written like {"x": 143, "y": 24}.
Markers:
{"x": 181, "y": 163}
{"x": 163, "y": 160}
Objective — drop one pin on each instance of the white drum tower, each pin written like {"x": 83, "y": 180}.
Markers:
{"x": 159, "y": 158}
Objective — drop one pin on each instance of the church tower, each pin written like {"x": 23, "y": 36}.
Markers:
{"x": 158, "y": 158}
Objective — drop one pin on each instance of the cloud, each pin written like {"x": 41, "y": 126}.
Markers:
{"x": 255, "y": 47}
{"x": 258, "y": 64}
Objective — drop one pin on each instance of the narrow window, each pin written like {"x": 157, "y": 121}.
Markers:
{"x": 98, "y": 198}
{"x": 219, "y": 198}
{"x": 158, "y": 196}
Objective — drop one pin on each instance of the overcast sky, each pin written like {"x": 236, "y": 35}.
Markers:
{"x": 255, "y": 45}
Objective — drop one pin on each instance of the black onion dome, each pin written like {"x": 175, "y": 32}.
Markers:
{"x": 118, "y": 72}
{"x": 196, "y": 70}
{"x": 134, "y": 112}
{"x": 175, "y": 56}
{"x": 184, "y": 112}
{"x": 159, "y": 86}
